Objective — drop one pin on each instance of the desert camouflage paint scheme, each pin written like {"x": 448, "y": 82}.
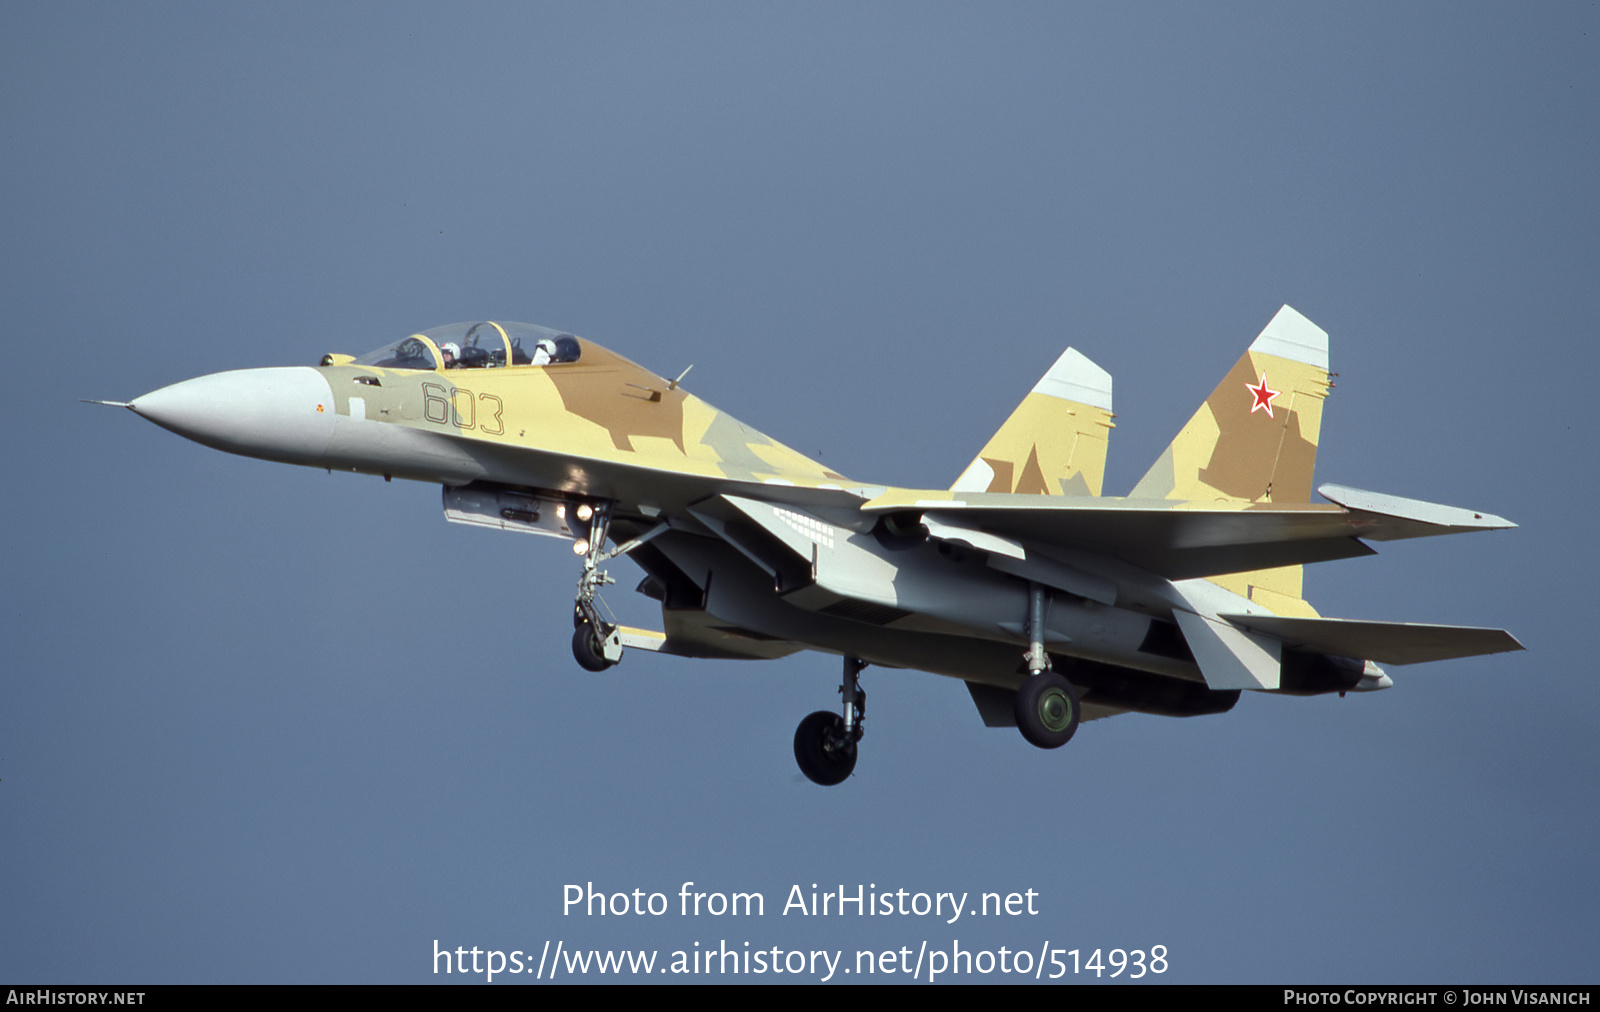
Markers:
{"x": 1054, "y": 604}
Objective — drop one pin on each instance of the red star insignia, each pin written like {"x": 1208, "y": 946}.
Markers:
{"x": 1263, "y": 396}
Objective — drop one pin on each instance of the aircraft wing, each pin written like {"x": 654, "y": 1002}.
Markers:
{"x": 1181, "y": 540}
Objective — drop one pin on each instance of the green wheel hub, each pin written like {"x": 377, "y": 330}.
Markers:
{"x": 1055, "y": 710}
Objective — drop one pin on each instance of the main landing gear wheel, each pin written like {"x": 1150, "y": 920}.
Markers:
{"x": 825, "y": 743}
{"x": 825, "y": 753}
{"x": 589, "y": 648}
{"x": 1047, "y": 710}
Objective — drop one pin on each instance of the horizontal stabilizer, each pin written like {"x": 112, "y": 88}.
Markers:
{"x": 1377, "y": 516}
{"x": 1385, "y": 642}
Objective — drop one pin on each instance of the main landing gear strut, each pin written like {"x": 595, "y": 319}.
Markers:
{"x": 825, "y": 742}
{"x": 1047, "y": 707}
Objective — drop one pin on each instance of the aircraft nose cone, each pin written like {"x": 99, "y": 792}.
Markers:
{"x": 282, "y": 414}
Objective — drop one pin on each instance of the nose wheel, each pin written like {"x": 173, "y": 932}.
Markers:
{"x": 825, "y": 742}
{"x": 596, "y": 648}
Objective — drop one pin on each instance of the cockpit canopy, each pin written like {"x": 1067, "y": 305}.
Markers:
{"x": 484, "y": 345}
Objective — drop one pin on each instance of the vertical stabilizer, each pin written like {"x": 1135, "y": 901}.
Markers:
{"x": 1054, "y": 443}
{"x": 1255, "y": 440}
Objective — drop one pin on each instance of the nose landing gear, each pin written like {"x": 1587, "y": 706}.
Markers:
{"x": 596, "y": 643}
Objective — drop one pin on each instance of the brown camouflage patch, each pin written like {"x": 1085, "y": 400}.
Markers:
{"x": 1257, "y": 456}
{"x": 1031, "y": 481}
{"x": 626, "y": 400}
{"x": 1001, "y": 482}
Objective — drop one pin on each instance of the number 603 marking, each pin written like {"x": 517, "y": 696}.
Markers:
{"x": 460, "y": 408}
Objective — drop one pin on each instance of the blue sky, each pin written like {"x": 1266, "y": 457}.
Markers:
{"x": 266, "y": 724}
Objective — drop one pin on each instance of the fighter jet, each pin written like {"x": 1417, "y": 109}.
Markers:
{"x": 1054, "y": 604}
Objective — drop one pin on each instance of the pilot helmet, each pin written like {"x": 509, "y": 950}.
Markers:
{"x": 451, "y": 350}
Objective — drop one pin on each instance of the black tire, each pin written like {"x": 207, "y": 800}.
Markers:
{"x": 586, "y": 649}
{"x": 1047, "y": 710}
{"x": 820, "y": 764}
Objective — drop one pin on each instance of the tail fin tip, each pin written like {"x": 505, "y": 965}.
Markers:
{"x": 1290, "y": 335}
{"x": 1074, "y": 377}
